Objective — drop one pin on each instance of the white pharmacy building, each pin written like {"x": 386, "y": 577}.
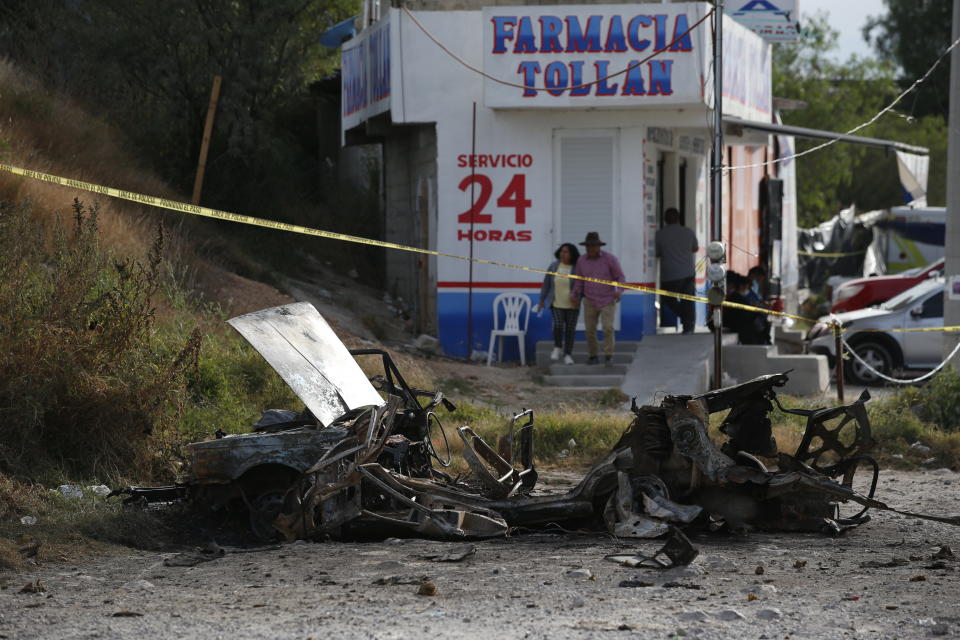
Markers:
{"x": 505, "y": 130}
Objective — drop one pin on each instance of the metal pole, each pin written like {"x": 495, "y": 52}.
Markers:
{"x": 205, "y": 142}
{"x": 717, "y": 169}
{"x": 952, "y": 248}
{"x": 473, "y": 201}
{"x": 717, "y": 348}
{"x": 838, "y": 351}
{"x": 717, "y": 177}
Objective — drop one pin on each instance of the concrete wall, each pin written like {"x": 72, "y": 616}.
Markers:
{"x": 741, "y": 216}
{"x": 410, "y": 210}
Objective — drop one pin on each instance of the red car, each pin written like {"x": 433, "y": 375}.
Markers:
{"x": 864, "y": 292}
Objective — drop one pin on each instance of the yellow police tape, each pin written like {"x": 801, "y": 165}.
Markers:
{"x": 823, "y": 254}
{"x": 910, "y": 330}
{"x": 197, "y": 210}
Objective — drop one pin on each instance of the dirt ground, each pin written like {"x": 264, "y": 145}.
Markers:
{"x": 534, "y": 585}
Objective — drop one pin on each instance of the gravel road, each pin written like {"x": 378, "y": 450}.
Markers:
{"x": 528, "y": 586}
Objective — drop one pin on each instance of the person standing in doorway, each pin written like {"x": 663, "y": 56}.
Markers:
{"x": 555, "y": 294}
{"x": 758, "y": 285}
{"x": 676, "y": 246}
{"x": 599, "y": 300}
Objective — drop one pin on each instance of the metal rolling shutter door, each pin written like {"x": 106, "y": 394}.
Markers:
{"x": 586, "y": 188}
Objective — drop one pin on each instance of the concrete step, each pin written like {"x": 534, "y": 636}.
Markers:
{"x": 748, "y": 354}
{"x": 727, "y": 338}
{"x": 543, "y": 359}
{"x": 597, "y": 381}
{"x": 625, "y": 346}
{"x": 809, "y": 373}
{"x": 587, "y": 369}
{"x": 788, "y": 341}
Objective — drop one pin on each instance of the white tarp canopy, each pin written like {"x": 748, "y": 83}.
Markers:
{"x": 913, "y": 169}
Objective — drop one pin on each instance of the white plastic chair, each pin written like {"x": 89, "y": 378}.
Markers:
{"x": 515, "y": 306}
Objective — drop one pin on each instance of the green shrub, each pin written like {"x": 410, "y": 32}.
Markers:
{"x": 939, "y": 401}
{"x": 893, "y": 421}
{"x": 95, "y": 383}
{"x": 83, "y": 377}
{"x": 233, "y": 386}
{"x": 594, "y": 433}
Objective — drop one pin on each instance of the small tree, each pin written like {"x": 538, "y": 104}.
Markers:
{"x": 840, "y": 96}
{"x": 912, "y": 34}
{"x": 149, "y": 66}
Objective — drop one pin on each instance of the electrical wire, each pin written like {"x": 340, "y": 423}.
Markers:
{"x": 525, "y": 87}
{"x": 872, "y": 120}
{"x": 749, "y": 253}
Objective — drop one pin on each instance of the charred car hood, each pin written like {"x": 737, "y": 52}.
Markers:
{"x": 303, "y": 349}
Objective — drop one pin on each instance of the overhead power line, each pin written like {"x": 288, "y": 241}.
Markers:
{"x": 840, "y": 137}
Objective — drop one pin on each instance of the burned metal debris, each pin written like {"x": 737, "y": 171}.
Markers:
{"x": 360, "y": 460}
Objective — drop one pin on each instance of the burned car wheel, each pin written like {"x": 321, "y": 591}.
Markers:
{"x": 264, "y": 510}
{"x": 264, "y": 490}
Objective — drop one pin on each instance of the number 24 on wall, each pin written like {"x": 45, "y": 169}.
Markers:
{"x": 513, "y": 197}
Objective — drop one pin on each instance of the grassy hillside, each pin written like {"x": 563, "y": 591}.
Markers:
{"x": 110, "y": 316}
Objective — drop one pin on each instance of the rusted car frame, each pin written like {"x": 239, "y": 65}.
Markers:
{"x": 360, "y": 460}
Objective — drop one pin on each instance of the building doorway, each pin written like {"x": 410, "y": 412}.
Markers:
{"x": 586, "y": 177}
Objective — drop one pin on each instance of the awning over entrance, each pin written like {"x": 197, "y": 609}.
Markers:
{"x": 803, "y": 132}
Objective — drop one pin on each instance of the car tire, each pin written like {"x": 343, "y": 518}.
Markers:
{"x": 873, "y": 353}
{"x": 263, "y": 511}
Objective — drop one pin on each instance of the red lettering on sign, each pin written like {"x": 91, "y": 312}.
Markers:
{"x": 494, "y": 161}
{"x": 495, "y": 235}
{"x": 474, "y": 214}
{"x": 515, "y": 196}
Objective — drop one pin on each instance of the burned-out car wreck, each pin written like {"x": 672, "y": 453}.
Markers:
{"x": 360, "y": 460}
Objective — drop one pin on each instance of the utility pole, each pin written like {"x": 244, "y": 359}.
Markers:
{"x": 952, "y": 248}
{"x": 716, "y": 231}
{"x": 717, "y": 169}
{"x": 205, "y": 142}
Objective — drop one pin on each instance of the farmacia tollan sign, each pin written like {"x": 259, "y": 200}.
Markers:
{"x": 573, "y": 56}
